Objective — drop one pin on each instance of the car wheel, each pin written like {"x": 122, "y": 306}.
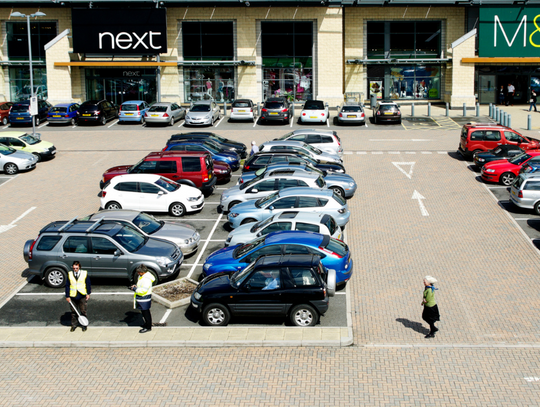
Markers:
{"x": 202, "y": 276}
{"x": 177, "y": 209}
{"x": 507, "y": 178}
{"x": 11, "y": 169}
{"x": 248, "y": 220}
{"x": 338, "y": 191}
{"x": 103, "y": 120}
{"x": 304, "y": 315}
{"x": 37, "y": 121}
{"x": 113, "y": 205}
{"x": 537, "y": 208}
{"x": 55, "y": 277}
{"x": 171, "y": 122}
{"x": 232, "y": 204}
{"x": 73, "y": 121}
{"x": 4, "y": 121}
{"x": 37, "y": 156}
{"x": 216, "y": 315}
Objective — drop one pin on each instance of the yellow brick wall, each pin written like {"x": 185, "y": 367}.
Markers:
{"x": 60, "y": 76}
{"x": 462, "y": 75}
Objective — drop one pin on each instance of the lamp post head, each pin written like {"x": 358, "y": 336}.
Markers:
{"x": 17, "y": 14}
{"x": 38, "y": 14}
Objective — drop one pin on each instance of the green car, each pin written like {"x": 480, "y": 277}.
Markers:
{"x": 19, "y": 140}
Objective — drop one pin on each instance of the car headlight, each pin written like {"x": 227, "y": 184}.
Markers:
{"x": 342, "y": 210}
{"x": 233, "y": 215}
{"x": 208, "y": 116}
{"x": 490, "y": 170}
{"x": 196, "y": 236}
{"x": 351, "y": 184}
{"x": 340, "y": 171}
{"x": 192, "y": 198}
{"x": 228, "y": 158}
{"x": 162, "y": 261}
{"x": 207, "y": 266}
{"x": 45, "y": 150}
{"x": 481, "y": 159}
{"x": 197, "y": 296}
{"x": 224, "y": 197}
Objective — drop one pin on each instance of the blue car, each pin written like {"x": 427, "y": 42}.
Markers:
{"x": 228, "y": 156}
{"x": 334, "y": 253}
{"x": 133, "y": 111}
{"x": 20, "y": 112}
{"x": 63, "y": 113}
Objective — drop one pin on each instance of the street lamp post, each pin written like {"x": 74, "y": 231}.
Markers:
{"x": 36, "y": 14}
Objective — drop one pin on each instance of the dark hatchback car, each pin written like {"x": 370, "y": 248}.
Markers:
{"x": 97, "y": 111}
{"x": 224, "y": 143}
{"x": 296, "y": 286}
{"x": 386, "y": 111}
{"x": 500, "y": 153}
{"x": 20, "y": 112}
{"x": 276, "y": 109}
{"x": 266, "y": 158}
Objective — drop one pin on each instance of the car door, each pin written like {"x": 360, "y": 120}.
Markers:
{"x": 307, "y": 203}
{"x": 127, "y": 194}
{"x": 167, "y": 169}
{"x": 302, "y": 279}
{"x": 284, "y": 203}
{"x": 175, "y": 113}
{"x": 108, "y": 259}
{"x": 77, "y": 248}
{"x": 152, "y": 198}
{"x": 514, "y": 139}
{"x": 260, "y": 189}
{"x": 283, "y": 183}
{"x": 16, "y": 143}
{"x": 492, "y": 139}
{"x": 275, "y": 227}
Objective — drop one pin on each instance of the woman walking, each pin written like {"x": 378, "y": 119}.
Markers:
{"x": 431, "y": 311}
{"x": 533, "y": 101}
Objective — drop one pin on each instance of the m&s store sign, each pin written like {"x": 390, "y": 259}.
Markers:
{"x": 509, "y": 32}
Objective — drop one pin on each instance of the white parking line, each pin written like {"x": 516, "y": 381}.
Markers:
{"x": 497, "y": 187}
{"x": 525, "y": 218}
{"x": 113, "y": 124}
{"x": 426, "y": 152}
{"x": 394, "y": 152}
{"x": 93, "y": 293}
{"x": 361, "y": 152}
{"x": 410, "y": 152}
{"x": 255, "y": 122}
{"x": 10, "y": 178}
{"x": 181, "y": 124}
{"x": 442, "y": 152}
{"x": 165, "y": 316}
{"x": 327, "y": 123}
{"x": 292, "y": 121}
{"x": 205, "y": 245}
{"x": 44, "y": 124}
{"x": 347, "y": 152}
{"x": 3, "y": 128}
{"x": 377, "y": 152}
{"x": 219, "y": 121}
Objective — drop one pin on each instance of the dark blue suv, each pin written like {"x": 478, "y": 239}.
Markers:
{"x": 216, "y": 152}
{"x": 20, "y": 112}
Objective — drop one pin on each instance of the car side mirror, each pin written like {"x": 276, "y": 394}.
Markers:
{"x": 160, "y": 193}
{"x": 117, "y": 253}
{"x": 271, "y": 208}
{"x": 259, "y": 234}
{"x": 253, "y": 190}
{"x": 247, "y": 287}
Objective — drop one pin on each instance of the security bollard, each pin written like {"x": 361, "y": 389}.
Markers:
{"x": 499, "y": 116}
{"x": 505, "y": 119}
{"x": 478, "y": 110}
{"x": 224, "y": 108}
{"x": 259, "y": 109}
{"x": 529, "y": 122}
{"x": 509, "y": 120}
{"x": 491, "y": 110}
{"x": 464, "y": 109}
{"x": 292, "y": 112}
{"x": 447, "y": 109}
{"x": 412, "y": 109}
{"x": 429, "y": 109}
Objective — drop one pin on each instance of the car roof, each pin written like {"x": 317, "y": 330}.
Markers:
{"x": 162, "y": 104}
{"x": 135, "y": 178}
{"x": 123, "y": 214}
{"x": 22, "y": 102}
{"x": 530, "y": 175}
{"x": 304, "y": 191}
{"x": 314, "y": 131}
{"x": 386, "y": 102}
{"x": 243, "y": 100}
{"x": 64, "y": 104}
{"x": 16, "y": 134}
{"x": 314, "y": 217}
{"x": 76, "y": 226}
{"x": 280, "y": 99}
{"x": 173, "y": 153}
{"x": 202, "y": 102}
{"x": 194, "y": 133}
{"x": 294, "y": 173}
{"x": 133, "y": 101}
{"x": 286, "y": 260}
{"x": 486, "y": 125}
{"x": 285, "y": 143}
{"x": 294, "y": 236}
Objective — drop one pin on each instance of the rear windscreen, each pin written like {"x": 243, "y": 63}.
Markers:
{"x": 129, "y": 108}
{"x": 274, "y": 105}
{"x": 388, "y": 108}
{"x": 19, "y": 109}
{"x": 315, "y": 105}
{"x": 158, "y": 109}
{"x": 337, "y": 247}
{"x": 351, "y": 109}
{"x": 58, "y": 110}
{"x": 240, "y": 104}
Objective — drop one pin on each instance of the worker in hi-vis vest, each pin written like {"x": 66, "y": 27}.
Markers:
{"x": 78, "y": 290}
{"x": 143, "y": 296}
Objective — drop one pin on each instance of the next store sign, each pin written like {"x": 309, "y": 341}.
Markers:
{"x": 509, "y": 32}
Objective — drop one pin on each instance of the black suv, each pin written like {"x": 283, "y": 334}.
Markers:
{"x": 96, "y": 111}
{"x": 225, "y": 143}
{"x": 296, "y": 286}
{"x": 265, "y": 158}
{"x": 276, "y": 109}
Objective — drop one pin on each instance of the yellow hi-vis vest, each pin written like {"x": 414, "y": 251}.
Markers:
{"x": 144, "y": 288}
{"x": 77, "y": 285}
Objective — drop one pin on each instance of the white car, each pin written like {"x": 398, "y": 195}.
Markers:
{"x": 242, "y": 109}
{"x": 314, "y": 111}
{"x": 150, "y": 193}
{"x": 301, "y": 147}
{"x": 325, "y": 140}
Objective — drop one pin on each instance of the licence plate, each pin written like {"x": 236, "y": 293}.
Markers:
{"x": 128, "y": 114}
{"x": 351, "y": 115}
{"x": 388, "y": 113}
{"x": 210, "y": 176}
{"x": 56, "y": 115}
{"x": 86, "y": 114}
{"x": 241, "y": 111}
{"x": 274, "y": 113}
{"x": 312, "y": 117}
{"x": 20, "y": 118}
{"x": 513, "y": 192}
{"x": 154, "y": 115}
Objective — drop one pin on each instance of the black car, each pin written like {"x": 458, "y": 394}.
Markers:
{"x": 96, "y": 111}
{"x": 500, "y": 153}
{"x": 386, "y": 111}
{"x": 225, "y": 143}
{"x": 276, "y": 109}
{"x": 296, "y": 286}
{"x": 266, "y": 158}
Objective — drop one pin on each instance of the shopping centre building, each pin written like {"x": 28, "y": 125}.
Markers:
{"x": 182, "y": 51}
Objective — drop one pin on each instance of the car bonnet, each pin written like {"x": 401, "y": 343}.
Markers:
{"x": 157, "y": 248}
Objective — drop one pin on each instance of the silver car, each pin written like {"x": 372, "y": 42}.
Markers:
{"x": 12, "y": 161}
{"x": 291, "y": 199}
{"x": 306, "y": 221}
{"x": 325, "y": 140}
{"x": 342, "y": 184}
{"x": 525, "y": 192}
{"x": 185, "y": 236}
{"x": 164, "y": 113}
{"x": 299, "y": 146}
{"x": 350, "y": 113}
{"x": 205, "y": 112}
{"x": 268, "y": 183}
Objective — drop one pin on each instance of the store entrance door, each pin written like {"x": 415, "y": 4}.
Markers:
{"x": 520, "y": 82}
{"x": 487, "y": 89}
{"x": 118, "y": 86}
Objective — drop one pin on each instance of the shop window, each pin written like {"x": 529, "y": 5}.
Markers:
{"x": 207, "y": 83}
{"x": 208, "y": 41}
{"x": 19, "y": 83}
{"x": 405, "y": 81}
{"x": 17, "y": 39}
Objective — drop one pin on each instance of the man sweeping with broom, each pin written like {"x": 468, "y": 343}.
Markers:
{"x": 78, "y": 290}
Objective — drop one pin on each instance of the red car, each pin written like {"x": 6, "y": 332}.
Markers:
{"x": 505, "y": 171}
{"x": 4, "y": 112}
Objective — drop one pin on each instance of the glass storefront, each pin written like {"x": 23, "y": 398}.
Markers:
{"x": 17, "y": 39}
{"x": 405, "y": 81}
{"x": 19, "y": 83}
{"x": 120, "y": 85}
{"x": 206, "y": 83}
{"x": 490, "y": 78}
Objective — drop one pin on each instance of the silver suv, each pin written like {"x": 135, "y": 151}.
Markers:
{"x": 525, "y": 192}
{"x": 325, "y": 140}
{"x": 301, "y": 147}
{"x": 104, "y": 249}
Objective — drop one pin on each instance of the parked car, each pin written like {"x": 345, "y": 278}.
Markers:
{"x": 222, "y": 171}
{"x": 314, "y": 111}
{"x": 133, "y": 111}
{"x": 228, "y": 156}
{"x": 12, "y": 161}
{"x": 306, "y": 221}
{"x": 350, "y": 113}
{"x": 334, "y": 253}
{"x": 298, "y": 146}
{"x": 185, "y": 167}
{"x": 276, "y": 109}
{"x": 341, "y": 184}
{"x": 97, "y": 111}
{"x": 504, "y": 152}
{"x": 164, "y": 113}
{"x": 65, "y": 113}
{"x": 225, "y": 143}
{"x": 150, "y": 193}
{"x": 20, "y": 113}
{"x": 266, "y": 184}
{"x": 4, "y": 112}
{"x": 242, "y": 109}
{"x": 204, "y": 112}
{"x": 479, "y": 137}
{"x": 529, "y": 168}
{"x": 296, "y": 286}
{"x": 104, "y": 249}
{"x": 386, "y": 111}
{"x": 291, "y": 199}
{"x": 506, "y": 171}
{"x": 263, "y": 159}
{"x": 181, "y": 234}
{"x": 325, "y": 140}
{"x": 525, "y": 192}
{"x": 26, "y": 142}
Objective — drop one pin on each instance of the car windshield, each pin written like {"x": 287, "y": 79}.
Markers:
{"x": 129, "y": 239}
{"x": 286, "y": 136}
{"x": 200, "y": 108}
{"x": 337, "y": 247}
{"x": 309, "y": 160}
{"x": 310, "y": 168}
{"x": 19, "y": 108}
{"x": 210, "y": 148}
{"x": 158, "y": 109}
{"x": 30, "y": 139}
{"x": 314, "y": 105}
{"x": 239, "y": 277}
{"x": 148, "y": 223}
{"x": 212, "y": 143}
{"x": 263, "y": 201}
{"x": 5, "y": 150}
{"x": 312, "y": 149}
{"x": 260, "y": 225}
{"x": 251, "y": 182}
{"x": 57, "y": 109}
{"x": 351, "y": 109}
{"x": 167, "y": 184}
{"x": 219, "y": 138}
{"x": 320, "y": 182}
{"x": 131, "y": 169}
{"x": 246, "y": 248}
{"x": 520, "y": 159}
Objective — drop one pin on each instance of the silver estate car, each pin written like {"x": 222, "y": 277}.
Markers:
{"x": 291, "y": 199}
{"x": 342, "y": 184}
{"x": 306, "y": 221}
{"x": 12, "y": 161}
{"x": 525, "y": 192}
{"x": 185, "y": 236}
{"x": 325, "y": 140}
{"x": 164, "y": 113}
{"x": 313, "y": 152}
{"x": 205, "y": 112}
{"x": 350, "y": 113}
{"x": 266, "y": 184}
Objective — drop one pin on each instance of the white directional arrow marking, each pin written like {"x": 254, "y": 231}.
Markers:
{"x": 423, "y": 210}
{"x": 5, "y": 228}
{"x": 407, "y": 174}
